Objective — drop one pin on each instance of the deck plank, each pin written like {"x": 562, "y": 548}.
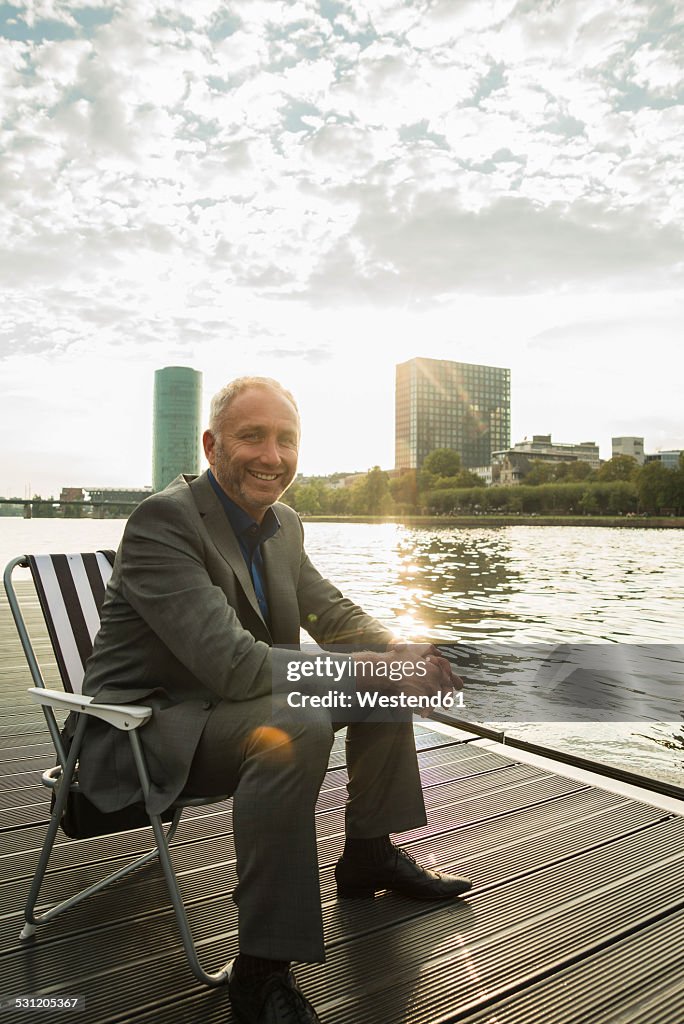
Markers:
{"x": 577, "y": 912}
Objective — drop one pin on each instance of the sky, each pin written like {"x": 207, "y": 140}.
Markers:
{"x": 317, "y": 190}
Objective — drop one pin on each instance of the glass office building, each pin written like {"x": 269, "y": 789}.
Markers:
{"x": 443, "y": 404}
{"x": 669, "y": 459}
{"x": 177, "y": 424}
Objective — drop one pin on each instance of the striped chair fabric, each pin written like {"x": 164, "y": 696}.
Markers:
{"x": 71, "y": 590}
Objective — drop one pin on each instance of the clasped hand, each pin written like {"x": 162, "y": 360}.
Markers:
{"x": 413, "y": 669}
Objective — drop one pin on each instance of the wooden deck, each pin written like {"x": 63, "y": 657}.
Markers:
{"x": 577, "y": 914}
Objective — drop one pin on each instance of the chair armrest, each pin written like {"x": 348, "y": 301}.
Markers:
{"x": 121, "y": 716}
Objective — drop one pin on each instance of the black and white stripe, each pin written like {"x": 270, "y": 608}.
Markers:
{"x": 71, "y": 590}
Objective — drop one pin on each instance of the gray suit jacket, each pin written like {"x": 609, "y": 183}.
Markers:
{"x": 181, "y": 629}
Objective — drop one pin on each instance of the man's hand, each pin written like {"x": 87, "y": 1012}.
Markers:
{"x": 430, "y": 653}
{"x": 412, "y": 669}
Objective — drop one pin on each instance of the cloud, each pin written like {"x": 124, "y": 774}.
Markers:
{"x": 510, "y": 246}
{"x": 314, "y": 356}
{"x": 259, "y": 149}
{"x": 619, "y": 330}
{"x": 204, "y": 179}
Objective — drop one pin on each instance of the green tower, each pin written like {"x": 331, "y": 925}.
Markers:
{"x": 176, "y": 428}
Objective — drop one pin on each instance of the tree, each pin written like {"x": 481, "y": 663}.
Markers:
{"x": 654, "y": 486}
{"x": 678, "y": 486}
{"x": 440, "y": 469}
{"x": 622, "y": 497}
{"x": 371, "y": 495}
{"x": 456, "y": 499}
{"x": 589, "y": 503}
{"x": 557, "y": 472}
{"x": 378, "y": 496}
{"x": 573, "y": 471}
{"x": 620, "y": 467}
{"x": 467, "y": 479}
{"x": 443, "y": 462}
{"x": 404, "y": 490}
{"x": 308, "y": 499}
{"x": 540, "y": 473}
{"x": 339, "y": 501}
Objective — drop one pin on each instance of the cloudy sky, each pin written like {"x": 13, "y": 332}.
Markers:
{"x": 319, "y": 189}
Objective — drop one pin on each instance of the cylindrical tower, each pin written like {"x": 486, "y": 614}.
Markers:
{"x": 176, "y": 427}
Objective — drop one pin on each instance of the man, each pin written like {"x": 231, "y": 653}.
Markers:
{"x": 211, "y": 574}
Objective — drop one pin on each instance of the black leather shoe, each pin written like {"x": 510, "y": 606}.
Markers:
{"x": 277, "y": 1001}
{"x": 401, "y": 874}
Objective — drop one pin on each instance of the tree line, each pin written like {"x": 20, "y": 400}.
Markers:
{"x": 618, "y": 487}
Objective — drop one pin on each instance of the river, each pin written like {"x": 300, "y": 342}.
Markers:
{"x": 515, "y": 586}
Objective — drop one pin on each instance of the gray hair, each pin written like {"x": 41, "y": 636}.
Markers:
{"x": 227, "y": 394}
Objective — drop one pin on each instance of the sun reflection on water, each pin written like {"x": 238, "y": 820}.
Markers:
{"x": 540, "y": 585}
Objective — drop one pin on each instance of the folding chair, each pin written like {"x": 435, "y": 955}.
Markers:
{"x": 71, "y": 590}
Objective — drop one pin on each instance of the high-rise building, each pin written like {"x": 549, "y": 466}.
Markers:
{"x": 176, "y": 429}
{"x": 443, "y": 404}
{"x": 633, "y": 446}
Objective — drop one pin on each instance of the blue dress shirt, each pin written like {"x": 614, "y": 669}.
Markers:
{"x": 250, "y": 536}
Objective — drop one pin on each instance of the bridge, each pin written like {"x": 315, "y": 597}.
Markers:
{"x": 44, "y": 508}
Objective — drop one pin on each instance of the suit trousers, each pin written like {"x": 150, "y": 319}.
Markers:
{"x": 272, "y": 759}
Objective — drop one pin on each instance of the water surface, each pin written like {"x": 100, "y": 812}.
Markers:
{"x": 512, "y": 585}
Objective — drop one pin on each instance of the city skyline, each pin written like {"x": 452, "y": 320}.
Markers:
{"x": 318, "y": 192}
{"x": 302, "y": 470}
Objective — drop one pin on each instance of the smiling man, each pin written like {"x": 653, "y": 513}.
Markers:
{"x": 252, "y": 444}
{"x": 211, "y": 580}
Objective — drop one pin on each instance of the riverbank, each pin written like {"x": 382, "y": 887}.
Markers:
{"x": 489, "y": 519}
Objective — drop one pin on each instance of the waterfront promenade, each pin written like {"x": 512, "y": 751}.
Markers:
{"x": 493, "y": 519}
{"x": 577, "y": 912}
{"x": 49, "y": 509}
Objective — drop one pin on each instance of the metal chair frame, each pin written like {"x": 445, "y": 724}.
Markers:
{"x": 63, "y": 778}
